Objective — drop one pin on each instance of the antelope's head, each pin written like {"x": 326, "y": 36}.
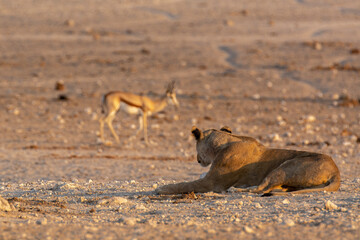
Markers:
{"x": 171, "y": 95}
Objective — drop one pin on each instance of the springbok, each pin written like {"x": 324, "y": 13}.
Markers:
{"x": 131, "y": 103}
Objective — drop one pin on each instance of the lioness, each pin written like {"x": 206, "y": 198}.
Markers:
{"x": 244, "y": 163}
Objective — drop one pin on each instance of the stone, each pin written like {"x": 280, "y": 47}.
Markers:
{"x": 5, "y": 205}
{"x": 289, "y": 222}
{"x": 41, "y": 221}
{"x": 330, "y": 205}
{"x": 67, "y": 186}
{"x": 248, "y": 229}
{"x": 128, "y": 221}
{"x": 112, "y": 201}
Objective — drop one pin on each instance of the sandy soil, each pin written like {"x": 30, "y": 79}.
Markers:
{"x": 284, "y": 72}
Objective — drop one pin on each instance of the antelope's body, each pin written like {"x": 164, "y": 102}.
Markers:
{"x": 131, "y": 103}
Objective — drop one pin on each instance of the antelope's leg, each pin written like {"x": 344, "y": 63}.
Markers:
{"x": 109, "y": 120}
{"x": 102, "y": 129}
{"x": 141, "y": 124}
{"x": 145, "y": 127}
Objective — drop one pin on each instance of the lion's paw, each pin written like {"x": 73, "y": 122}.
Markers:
{"x": 162, "y": 190}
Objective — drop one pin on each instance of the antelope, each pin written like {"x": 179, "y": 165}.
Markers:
{"x": 131, "y": 103}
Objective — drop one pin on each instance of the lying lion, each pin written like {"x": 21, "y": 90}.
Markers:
{"x": 244, "y": 163}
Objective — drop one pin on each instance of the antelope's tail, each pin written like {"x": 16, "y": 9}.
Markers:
{"x": 103, "y": 103}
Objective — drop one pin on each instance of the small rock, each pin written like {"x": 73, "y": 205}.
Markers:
{"x": 152, "y": 223}
{"x": 112, "y": 201}
{"x": 41, "y": 221}
{"x": 309, "y": 118}
{"x": 275, "y": 137}
{"x": 343, "y": 209}
{"x": 59, "y": 86}
{"x": 257, "y": 205}
{"x": 287, "y": 134}
{"x": 88, "y": 110}
{"x": 317, "y": 209}
{"x": 355, "y": 51}
{"x": 16, "y": 111}
{"x": 317, "y": 46}
{"x": 139, "y": 207}
{"x": 335, "y": 96}
{"x": 67, "y": 186}
{"x": 128, "y": 221}
{"x": 256, "y": 96}
{"x": 5, "y": 205}
{"x": 69, "y": 23}
{"x": 63, "y": 97}
{"x": 289, "y": 222}
{"x": 330, "y": 206}
{"x": 248, "y": 229}
{"x": 190, "y": 223}
{"x": 286, "y": 201}
{"x": 211, "y": 231}
{"x": 229, "y": 23}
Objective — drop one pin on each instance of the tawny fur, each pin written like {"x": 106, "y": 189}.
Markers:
{"x": 244, "y": 163}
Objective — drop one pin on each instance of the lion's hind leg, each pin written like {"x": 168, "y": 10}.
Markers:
{"x": 301, "y": 175}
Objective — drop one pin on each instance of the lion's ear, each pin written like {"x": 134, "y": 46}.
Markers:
{"x": 226, "y": 129}
{"x": 197, "y": 133}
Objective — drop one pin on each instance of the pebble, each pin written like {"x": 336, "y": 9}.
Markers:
{"x": 275, "y": 137}
{"x": 5, "y": 205}
{"x": 256, "y": 96}
{"x": 59, "y": 86}
{"x": 330, "y": 206}
{"x": 309, "y": 118}
{"x": 211, "y": 231}
{"x": 152, "y": 223}
{"x": 88, "y": 110}
{"x": 41, "y": 221}
{"x": 248, "y": 229}
{"x": 113, "y": 201}
{"x": 289, "y": 222}
{"x": 229, "y": 23}
{"x": 335, "y": 96}
{"x": 287, "y": 134}
{"x": 317, "y": 46}
{"x": 140, "y": 207}
{"x": 286, "y": 201}
{"x": 69, "y": 23}
{"x": 67, "y": 186}
{"x": 257, "y": 205}
{"x": 16, "y": 111}
{"x": 128, "y": 221}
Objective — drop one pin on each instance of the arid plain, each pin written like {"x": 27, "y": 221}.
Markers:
{"x": 284, "y": 72}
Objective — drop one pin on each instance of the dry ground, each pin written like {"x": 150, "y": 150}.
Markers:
{"x": 284, "y": 72}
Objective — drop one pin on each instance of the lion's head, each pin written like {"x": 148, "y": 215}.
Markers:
{"x": 208, "y": 142}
